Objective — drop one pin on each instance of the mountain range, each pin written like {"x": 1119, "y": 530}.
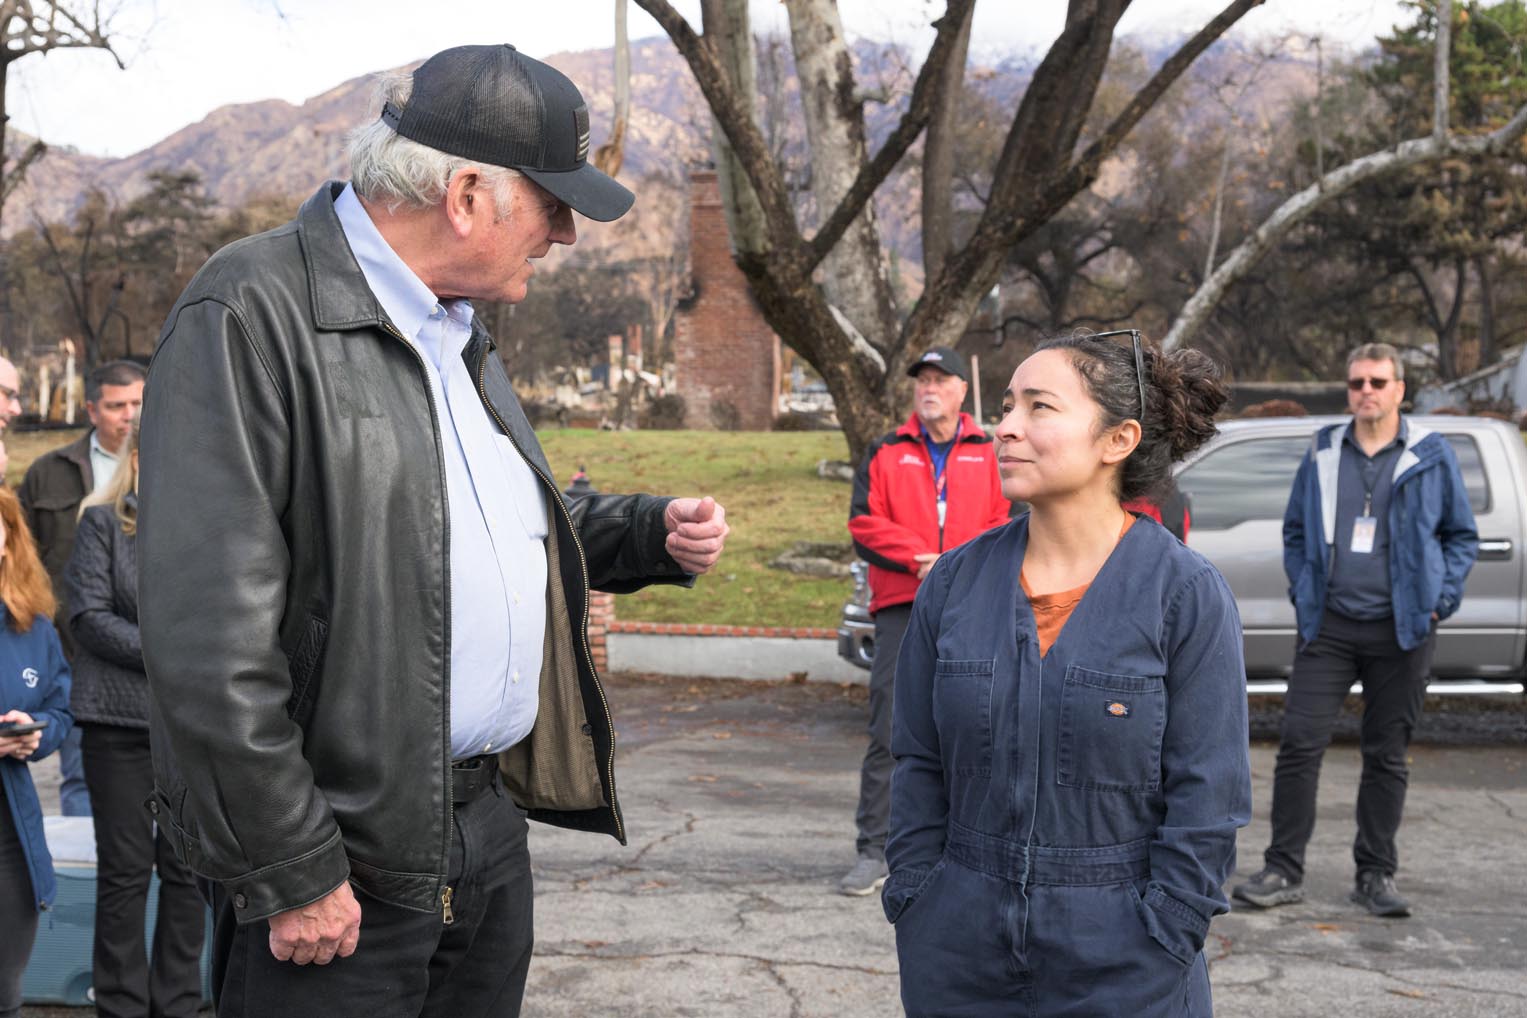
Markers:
{"x": 274, "y": 149}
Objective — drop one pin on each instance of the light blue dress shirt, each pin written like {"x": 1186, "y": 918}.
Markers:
{"x": 102, "y": 464}
{"x": 497, "y": 510}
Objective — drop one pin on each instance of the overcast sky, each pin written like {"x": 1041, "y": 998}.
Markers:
{"x": 185, "y": 58}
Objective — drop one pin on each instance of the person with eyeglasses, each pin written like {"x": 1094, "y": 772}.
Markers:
{"x": 1378, "y": 539}
{"x": 10, "y": 407}
{"x": 1070, "y": 715}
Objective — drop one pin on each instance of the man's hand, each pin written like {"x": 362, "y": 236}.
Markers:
{"x": 19, "y": 746}
{"x": 925, "y": 563}
{"x": 696, "y": 531}
{"x": 318, "y": 931}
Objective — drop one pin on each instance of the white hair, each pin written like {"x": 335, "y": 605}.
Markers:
{"x": 395, "y": 171}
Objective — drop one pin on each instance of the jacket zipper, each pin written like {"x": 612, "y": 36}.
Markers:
{"x": 445, "y": 524}
{"x": 583, "y": 630}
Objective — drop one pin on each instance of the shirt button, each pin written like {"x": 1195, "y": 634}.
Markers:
{"x": 514, "y": 676}
{"x": 239, "y": 901}
{"x": 516, "y": 597}
{"x": 487, "y": 747}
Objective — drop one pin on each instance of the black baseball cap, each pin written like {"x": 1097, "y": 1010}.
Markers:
{"x": 498, "y": 106}
{"x": 945, "y": 359}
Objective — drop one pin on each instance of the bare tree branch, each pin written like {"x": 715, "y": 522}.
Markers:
{"x": 919, "y": 109}
{"x": 1294, "y": 211}
{"x": 28, "y": 27}
{"x": 734, "y": 115}
{"x": 14, "y": 175}
{"x": 1441, "y": 73}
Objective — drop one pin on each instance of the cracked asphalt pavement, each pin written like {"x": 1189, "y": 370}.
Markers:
{"x": 739, "y": 798}
{"x": 739, "y": 801}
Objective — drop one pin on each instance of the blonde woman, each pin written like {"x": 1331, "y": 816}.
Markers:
{"x": 110, "y": 701}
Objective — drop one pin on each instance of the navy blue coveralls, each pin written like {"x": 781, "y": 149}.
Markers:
{"x": 1061, "y": 827}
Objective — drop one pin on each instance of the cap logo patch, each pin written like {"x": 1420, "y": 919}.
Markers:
{"x": 933, "y": 355}
{"x": 581, "y": 125}
{"x": 1118, "y": 709}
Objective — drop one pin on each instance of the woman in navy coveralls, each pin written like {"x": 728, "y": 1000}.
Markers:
{"x": 1062, "y": 822}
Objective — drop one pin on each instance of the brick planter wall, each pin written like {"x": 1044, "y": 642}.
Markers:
{"x": 601, "y": 615}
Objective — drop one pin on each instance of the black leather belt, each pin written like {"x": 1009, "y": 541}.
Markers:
{"x": 472, "y": 777}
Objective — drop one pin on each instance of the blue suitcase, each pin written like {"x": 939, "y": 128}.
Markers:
{"x": 60, "y": 969}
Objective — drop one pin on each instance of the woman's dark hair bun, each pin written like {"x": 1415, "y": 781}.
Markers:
{"x": 1189, "y": 393}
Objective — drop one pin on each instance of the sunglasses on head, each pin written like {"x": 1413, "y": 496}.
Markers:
{"x": 1134, "y": 335}
{"x": 1356, "y": 384}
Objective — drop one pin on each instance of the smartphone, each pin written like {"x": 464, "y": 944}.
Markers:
{"x": 11, "y": 728}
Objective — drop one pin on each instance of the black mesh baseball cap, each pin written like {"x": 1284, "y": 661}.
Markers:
{"x": 496, "y": 105}
{"x": 945, "y": 359}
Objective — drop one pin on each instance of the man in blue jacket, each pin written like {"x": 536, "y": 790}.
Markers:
{"x": 1377, "y": 541}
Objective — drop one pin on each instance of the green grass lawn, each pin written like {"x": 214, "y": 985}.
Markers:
{"x": 766, "y": 480}
{"x": 22, "y": 447}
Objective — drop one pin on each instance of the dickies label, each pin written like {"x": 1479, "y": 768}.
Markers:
{"x": 1117, "y": 709}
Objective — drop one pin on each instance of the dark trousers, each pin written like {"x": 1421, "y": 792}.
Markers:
{"x": 74, "y": 792}
{"x": 874, "y": 813}
{"x": 131, "y": 982}
{"x": 408, "y": 964}
{"x": 18, "y": 912}
{"x": 1394, "y": 685}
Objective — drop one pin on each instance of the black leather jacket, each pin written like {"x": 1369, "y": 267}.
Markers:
{"x": 294, "y": 595}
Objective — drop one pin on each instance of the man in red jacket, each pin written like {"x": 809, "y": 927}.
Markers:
{"x": 924, "y": 488}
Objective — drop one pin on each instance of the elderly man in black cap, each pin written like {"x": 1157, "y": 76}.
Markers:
{"x": 921, "y": 490}
{"x": 364, "y": 601}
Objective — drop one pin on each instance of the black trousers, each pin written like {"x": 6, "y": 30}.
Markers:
{"x": 18, "y": 912}
{"x": 874, "y": 814}
{"x": 1394, "y": 685}
{"x": 408, "y": 964}
{"x": 130, "y": 981}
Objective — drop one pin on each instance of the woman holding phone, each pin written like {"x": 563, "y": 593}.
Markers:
{"x": 34, "y": 690}
{"x": 1070, "y": 719}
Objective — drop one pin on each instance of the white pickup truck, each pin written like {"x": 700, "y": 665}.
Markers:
{"x": 1238, "y": 487}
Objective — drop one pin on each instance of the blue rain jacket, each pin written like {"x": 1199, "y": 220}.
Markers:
{"x": 1061, "y": 827}
{"x": 34, "y": 677}
{"x": 1432, "y": 539}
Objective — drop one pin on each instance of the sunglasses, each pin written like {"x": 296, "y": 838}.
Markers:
{"x": 1134, "y": 336}
{"x": 1378, "y": 384}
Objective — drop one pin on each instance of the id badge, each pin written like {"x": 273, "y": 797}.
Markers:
{"x": 943, "y": 511}
{"x": 1364, "y": 528}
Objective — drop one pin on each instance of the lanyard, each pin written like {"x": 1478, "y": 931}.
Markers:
{"x": 939, "y": 459}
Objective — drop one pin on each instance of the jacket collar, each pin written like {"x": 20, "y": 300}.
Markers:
{"x": 78, "y": 451}
{"x": 1417, "y": 453}
{"x": 337, "y": 287}
{"x": 341, "y": 297}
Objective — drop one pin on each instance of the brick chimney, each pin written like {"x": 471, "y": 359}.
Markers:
{"x": 725, "y": 354}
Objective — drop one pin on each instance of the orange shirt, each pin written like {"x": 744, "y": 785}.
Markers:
{"x": 1052, "y": 610}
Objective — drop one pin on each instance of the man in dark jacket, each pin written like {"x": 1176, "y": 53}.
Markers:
{"x": 1377, "y": 541}
{"x": 921, "y": 490}
{"x": 51, "y": 492}
{"x": 363, "y": 601}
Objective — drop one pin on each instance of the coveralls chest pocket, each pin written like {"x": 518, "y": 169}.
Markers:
{"x": 962, "y": 695}
{"x": 1111, "y": 728}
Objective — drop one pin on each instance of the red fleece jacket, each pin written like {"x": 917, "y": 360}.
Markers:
{"x": 894, "y": 515}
